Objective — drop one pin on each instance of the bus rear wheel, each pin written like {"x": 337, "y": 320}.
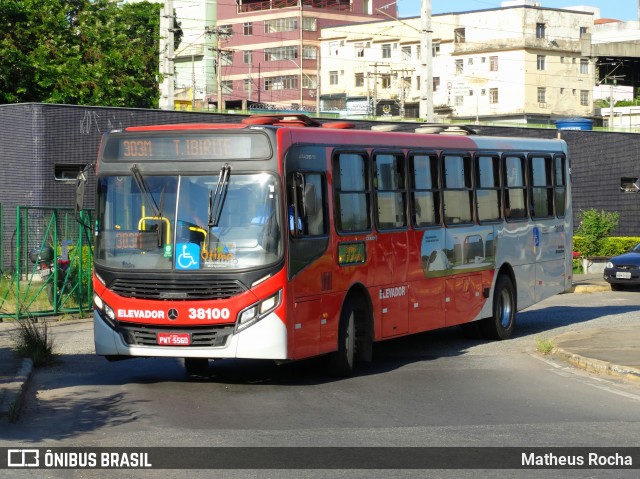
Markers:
{"x": 341, "y": 361}
{"x": 503, "y": 321}
{"x": 196, "y": 366}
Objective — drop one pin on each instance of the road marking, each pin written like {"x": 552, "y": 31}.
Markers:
{"x": 585, "y": 377}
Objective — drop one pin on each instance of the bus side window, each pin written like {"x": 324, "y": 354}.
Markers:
{"x": 425, "y": 190}
{"x": 560, "y": 182}
{"x": 457, "y": 189}
{"x": 515, "y": 198}
{"x": 390, "y": 196}
{"x": 307, "y": 204}
{"x": 488, "y": 188}
{"x": 314, "y": 201}
{"x": 352, "y": 195}
{"x": 541, "y": 186}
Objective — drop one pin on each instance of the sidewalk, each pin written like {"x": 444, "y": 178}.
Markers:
{"x": 613, "y": 351}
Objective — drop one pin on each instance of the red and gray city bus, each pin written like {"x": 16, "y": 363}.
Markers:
{"x": 280, "y": 238}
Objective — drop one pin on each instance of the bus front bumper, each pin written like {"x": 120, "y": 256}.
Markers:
{"x": 266, "y": 339}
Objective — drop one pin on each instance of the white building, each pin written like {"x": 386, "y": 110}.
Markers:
{"x": 519, "y": 63}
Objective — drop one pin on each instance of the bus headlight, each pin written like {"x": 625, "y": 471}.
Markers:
{"x": 106, "y": 312}
{"x": 257, "y": 311}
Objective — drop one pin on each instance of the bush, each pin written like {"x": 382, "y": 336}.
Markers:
{"x": 35, "y": 342}
{"x": 594, "y": 228}
{"x": 611, "y": 246}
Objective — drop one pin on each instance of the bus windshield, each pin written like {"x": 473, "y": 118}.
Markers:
{"x": 187, "y": 223}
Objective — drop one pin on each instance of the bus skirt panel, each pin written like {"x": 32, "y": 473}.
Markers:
{"x": 266, "y": 339}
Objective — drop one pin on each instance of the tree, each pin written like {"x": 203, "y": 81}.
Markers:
{"x": 81, "y": 52}
{"x": 595, "y": 226}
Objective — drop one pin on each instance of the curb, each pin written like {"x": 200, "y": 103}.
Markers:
{"x": 589, "y": 288}
{"x": 597, "y": 365}
{"x": 15, "y": 391}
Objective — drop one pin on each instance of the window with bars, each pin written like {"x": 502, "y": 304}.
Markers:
{"x": 280, "y": 25}
{"x": 281, "y": 53}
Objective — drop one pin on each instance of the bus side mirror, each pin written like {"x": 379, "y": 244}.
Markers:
{"x": 81, "y": 183}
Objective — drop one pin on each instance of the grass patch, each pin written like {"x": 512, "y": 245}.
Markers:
{"x": 544, "y": 346}
{"x": 34, "y": 341}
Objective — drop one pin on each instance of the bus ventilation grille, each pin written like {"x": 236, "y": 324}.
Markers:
{"x": 185, "y": 289}
{"x": 144, "y": 335}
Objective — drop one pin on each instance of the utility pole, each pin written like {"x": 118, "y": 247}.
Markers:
{"x": 301, "y": 58}
{"x": 193, "y": 82}
{"x": 375, "y": 89}
{"x": 612, "y": 80}
{"x": 402, "y": 90}
{"x": 426, "y": 60}
{"x": 167, "y": 56}
{"x": 218, "y": 72}
{"x": 374, "y": 99}
{"x": 220, "y": 34}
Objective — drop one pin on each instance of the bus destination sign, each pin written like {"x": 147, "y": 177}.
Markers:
{"x": 141, "y": 147}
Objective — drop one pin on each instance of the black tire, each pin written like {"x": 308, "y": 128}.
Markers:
{"x": 617, "y": 287}
{"x": 341, "y": 361}
{"x": 196, "y": 366}
{"x": 501, "y": 324}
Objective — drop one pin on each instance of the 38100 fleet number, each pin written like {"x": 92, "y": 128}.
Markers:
{"x": 209, "y": 313}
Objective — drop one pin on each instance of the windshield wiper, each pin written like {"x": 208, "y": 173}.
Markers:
{"x": 217, "y": 197}
{"x": 146, "y": 194}
{"x": 144, "y": 189}
{"x": 216, "y": 201}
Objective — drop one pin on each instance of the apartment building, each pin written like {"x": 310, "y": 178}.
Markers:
{"x": 267, "y": 50}
{"x": 520, "y": 63}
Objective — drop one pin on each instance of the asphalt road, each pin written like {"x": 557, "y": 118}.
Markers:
{"x": 433, "y": 389}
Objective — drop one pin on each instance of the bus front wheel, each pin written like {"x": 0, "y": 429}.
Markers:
{"x": 502, "y": 323}
{"x": 341, "y": 361}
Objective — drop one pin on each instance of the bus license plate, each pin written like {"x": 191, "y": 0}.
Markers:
{"x": 174, "y": 339}
{"x": 623, "y": 275}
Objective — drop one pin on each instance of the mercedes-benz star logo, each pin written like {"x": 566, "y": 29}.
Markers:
{"x": 173, "y": 314}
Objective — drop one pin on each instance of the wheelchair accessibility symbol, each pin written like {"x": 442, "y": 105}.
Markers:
{"x": 187, "y": 256}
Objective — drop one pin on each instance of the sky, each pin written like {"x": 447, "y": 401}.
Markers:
{"x": 618, "y": 9}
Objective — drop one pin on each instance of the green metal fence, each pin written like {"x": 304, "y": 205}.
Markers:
{"x": 51, "y": 273}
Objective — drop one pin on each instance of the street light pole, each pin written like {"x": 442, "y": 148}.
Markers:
{"x": 301, "y": 59}
{"x": 426, "y": 60}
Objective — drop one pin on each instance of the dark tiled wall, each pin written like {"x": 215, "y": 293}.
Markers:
{"x": 37, "y": 137}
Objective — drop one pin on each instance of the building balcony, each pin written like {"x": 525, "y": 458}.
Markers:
{"x": 519, "y": 43}
{"x": 247, "y": 6}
